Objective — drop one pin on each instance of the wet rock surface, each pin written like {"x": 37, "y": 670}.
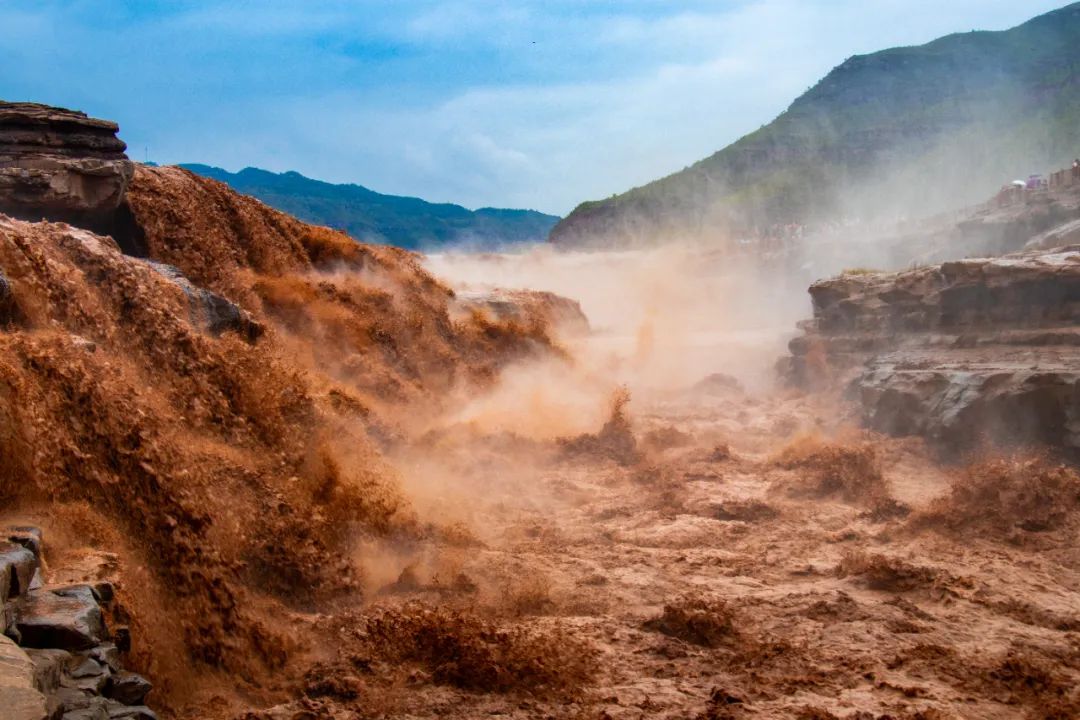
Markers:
{"x": 20, "y": 699}
{"x": 963, "y": 352}
{"x": 7, "y": 302}
{"x": 128, "y": 688}
{"x": 59, "y": 658}
{"x": 17, "y": 566}
{"x": 69, "y": 619}
{"x": 526, "y": 307}
{"x": 60, "y": 164}
{"x": 214, "y": 312}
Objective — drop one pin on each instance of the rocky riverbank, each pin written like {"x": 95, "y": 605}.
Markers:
{"x": 63, "y": 648}
{"x": 965, "y": 352}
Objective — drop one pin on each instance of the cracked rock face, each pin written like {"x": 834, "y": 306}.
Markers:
{"x": 60, "y": 164}
{"x": 58, "y": 658}
{"x": 20, "y": 699}
{"x": 962, "y": 353}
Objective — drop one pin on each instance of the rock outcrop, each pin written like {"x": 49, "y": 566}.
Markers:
{"x": 1012, "y": 221}
{"x": 58, "y": 658}
{"x": 977, "y": 350}
{"x": 527, "y": 307}
{"x": 209, "y": 309}
{"x": 60, "y": 165}
{"x": 19, "y": 694}
{"x": 1067, "y": 233}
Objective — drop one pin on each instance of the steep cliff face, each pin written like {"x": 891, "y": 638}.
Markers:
{"x": 60, "y": 164}
{"x": 903, "y": 131}
{"x": 979, "y": 350}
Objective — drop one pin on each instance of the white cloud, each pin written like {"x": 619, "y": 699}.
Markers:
{"x": 533, "y": 104}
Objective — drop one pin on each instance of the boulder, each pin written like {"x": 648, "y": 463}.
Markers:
{"x": 128, "y": 688}
{"x": 130, "y": 712}
{"x": 96, "y": 710}
{"x": 76, "y": 699}
{"x": 17, "y": 567}
{"x": 19, "y": 699}
{"x": 121, "y": 635}
{"x": 50, "y": 666}
{"x": 60, "y": 164}
{"x": 526, "y": 307}
{"x": 93, "y": 684}
{"x": 101, "y": 591}
{"x": 210, "y": 310}
{"x": 68, "y": 619}
{"x": 89, "y": 667}
{"x": 29, "y": 537}
{"x": 106, "y": 654}
{"x": 719, "y": 384}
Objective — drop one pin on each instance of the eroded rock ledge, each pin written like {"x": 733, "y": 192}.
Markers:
{"x": 58, "y": 656}
{"x": 526, "y": 307}
{"x": 60, "y": 165}
{"x": 971, "y": 351}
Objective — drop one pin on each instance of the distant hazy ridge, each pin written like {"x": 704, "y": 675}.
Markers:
{"x": 905, "y": 131}
{"x": 373, "y": 217}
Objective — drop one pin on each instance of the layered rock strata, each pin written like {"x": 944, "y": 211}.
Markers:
{"x": 58, "y": 656}
{"x": 60, "y": 165}
{"x": 966, "y": 352}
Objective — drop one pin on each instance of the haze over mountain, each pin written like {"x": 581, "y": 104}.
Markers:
{"x": 369, "y": 216}
{"x": 518, "y": 105}
{"x": 905, "y": 131}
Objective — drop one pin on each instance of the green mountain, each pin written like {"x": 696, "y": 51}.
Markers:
{"x": 389, "y": 219}
{"x": 903, "y": 132}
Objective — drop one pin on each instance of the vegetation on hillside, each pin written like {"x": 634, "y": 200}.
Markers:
{"x": 369, "y": 216}
{"x": 903, "y": 131}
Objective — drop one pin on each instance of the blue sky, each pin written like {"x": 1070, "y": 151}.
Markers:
{"x": 537, "y": 104}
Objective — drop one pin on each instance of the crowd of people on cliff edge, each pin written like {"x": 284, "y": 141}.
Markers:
{"x": 1017, "y": 190}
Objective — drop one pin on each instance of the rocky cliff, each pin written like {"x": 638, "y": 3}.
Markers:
{"x": 965, "y": 352}
{"x": 906, "y": 131}
{"x": 61, "y": 654}
{"x": 60, "y": 164}
{"x": 1011, "y": 221}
